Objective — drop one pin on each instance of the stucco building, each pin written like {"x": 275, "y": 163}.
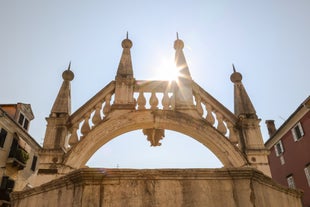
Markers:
{"x": 18, "y": 150}
{"x": 289, "y": 146}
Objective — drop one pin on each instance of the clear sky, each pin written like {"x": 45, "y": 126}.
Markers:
{"x": 267, "y": 40}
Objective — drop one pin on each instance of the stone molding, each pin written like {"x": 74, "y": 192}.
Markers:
{"x": 105, "y": 176}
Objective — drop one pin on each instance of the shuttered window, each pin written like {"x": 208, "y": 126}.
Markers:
{"x": 279, "y": 148}
{"x": 297, "y": 132}
{"x": 307, "y": 173}
{"x": 23, "y": 121}
{"x": 290, "y": 181}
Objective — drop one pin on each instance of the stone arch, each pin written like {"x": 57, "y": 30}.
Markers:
{"x": 118, "y": 123}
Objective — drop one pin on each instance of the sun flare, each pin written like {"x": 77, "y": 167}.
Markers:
{"x": 167, "y": 70}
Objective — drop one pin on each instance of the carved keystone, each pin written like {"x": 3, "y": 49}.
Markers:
{"x": 154, "y": 135}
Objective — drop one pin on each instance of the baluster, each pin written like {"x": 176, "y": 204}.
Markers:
{"x": 97, "y": 117}
{"x": 85, "y": 127}
{"x": 141, "y": 101}
{"x": 198, "y": 105}
{"x": 153, "y": 101}
{"x": 166, "y": 101}
{"x": 220, "y": 123}
{"x": 209, "y": 116}
{"x": 232, "y": 133}
{"x": 107, "y": 106}
{"x": 74, "y": 137}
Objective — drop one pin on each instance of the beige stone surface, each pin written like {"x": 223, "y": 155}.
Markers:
{"x": 127, "y": 104}
{"x": 22, "y": 174}
{"x": 158, "y": 188}
{"x": 116, "y": 125}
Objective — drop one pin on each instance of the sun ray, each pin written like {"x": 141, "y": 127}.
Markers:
{"x": 167, "y": 70}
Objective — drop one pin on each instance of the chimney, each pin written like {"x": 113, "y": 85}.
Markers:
{"x": 271, "y": 127}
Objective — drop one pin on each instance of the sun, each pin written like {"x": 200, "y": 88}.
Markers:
{"x": 167, "y": 70}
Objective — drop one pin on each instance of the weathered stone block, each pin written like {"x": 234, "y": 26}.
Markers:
{"x": 157, "y": 188}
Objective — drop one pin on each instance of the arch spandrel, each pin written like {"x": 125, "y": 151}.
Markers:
{"x": 118, "y": 123}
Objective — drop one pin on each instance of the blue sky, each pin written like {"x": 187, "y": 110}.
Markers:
{"x": 268, "y": 41}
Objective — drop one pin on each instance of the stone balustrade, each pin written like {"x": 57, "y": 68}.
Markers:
{"x": 152, "y": 95}
{"x": 155, "y": 95}
{"x": 90, "y": 114}
{"x": 215, "y": 113}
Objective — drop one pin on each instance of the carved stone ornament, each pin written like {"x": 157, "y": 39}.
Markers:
{"x": 154, "y": 136}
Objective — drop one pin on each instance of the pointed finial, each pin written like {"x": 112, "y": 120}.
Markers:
{"x": 69, "y": 66}
{"x": 127, "y": 35}
{"x": 177, "y": 35}
{"x": 234, "y": 69}
{"x": 68, "y": 75}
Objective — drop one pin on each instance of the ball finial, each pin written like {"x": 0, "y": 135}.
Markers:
{"x": 236, "y": 76}
{"x": 68, "y": 75}
{"x": 178, "y": 44}
{"x": 126, "y": 43}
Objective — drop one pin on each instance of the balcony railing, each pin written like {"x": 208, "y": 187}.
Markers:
{"x": 18, "y": 157}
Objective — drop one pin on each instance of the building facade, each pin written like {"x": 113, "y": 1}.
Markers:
{"x": 289, "y": 146}
{"x": 18, "y": 150}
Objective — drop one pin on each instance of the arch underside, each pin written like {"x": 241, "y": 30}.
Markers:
{"x": 117, "y": 123}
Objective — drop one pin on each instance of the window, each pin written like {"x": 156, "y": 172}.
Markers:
{"x": 297, "y": 132}
{"x": 307, "y": 173}
{"x": 6, "y": 188}
{"x": 23, "y": 121}
{"x": 279, "y": 148}
{"x": 34, "y": 163}
{"x": 3, "y": 134}
{"x": 290, "y": 181}
{"x": 14, "y": 146}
